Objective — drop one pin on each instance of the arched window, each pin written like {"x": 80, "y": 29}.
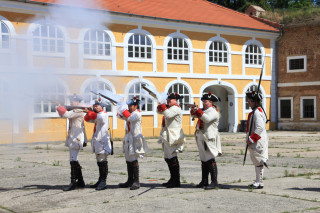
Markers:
{"x": 250, "y": 89}
{"x": 97, "y": 43}
{"x": 4, "y": 36}
{"x": 97, "y": 87}
{"x": 48, "y": 38}
{"x": 218, "y": 52}
{"x": 181, "y": 90}
{"x": 146, "y": 105}
{"x": 49, "y": 98}
{"x": 253, "y": 55}
{"x": 178, "y": 49}
{"x": 139, "y": 46}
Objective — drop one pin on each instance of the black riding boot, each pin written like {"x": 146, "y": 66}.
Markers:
{"x": 174, "y": 168}
{"x": 103, "y": 169}
{"x": 73, "y": 183}
{"x": 97, "y": 183}
{"x": 135, "y": 171}
{"x": 80, "y": 181}
{"x": 205, "y": 172}
{"x": 170, "y": 180}
{"x": 213, "y": 169}
{"x": 130, "y": 176}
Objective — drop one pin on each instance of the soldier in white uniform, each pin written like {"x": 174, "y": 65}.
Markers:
{"x": 134, "y": 145}
{"x": 256, "y": 137}
{"x": 76, "y": 140}
{"x": 101, "y": 144}
{"x": 172, "y": 137}
{"x": 208, "y": 139}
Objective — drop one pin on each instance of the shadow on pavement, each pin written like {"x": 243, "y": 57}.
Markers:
{"x": 306, "y": 189}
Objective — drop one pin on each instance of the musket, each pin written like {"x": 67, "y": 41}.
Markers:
{"x": 114, "y": 103}
{"x": 190, "y": 105}
{"x": 251, "y": 118}
{"x": 149, "y": 91}
{"x": 69, "y": 108}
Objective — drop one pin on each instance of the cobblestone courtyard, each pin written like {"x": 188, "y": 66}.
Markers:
{"x": 32, "y": 177}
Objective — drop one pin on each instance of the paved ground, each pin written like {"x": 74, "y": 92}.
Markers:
{"x": 32, "y": 176}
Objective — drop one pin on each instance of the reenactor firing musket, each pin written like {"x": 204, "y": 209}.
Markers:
{"x": 114, "y": 103}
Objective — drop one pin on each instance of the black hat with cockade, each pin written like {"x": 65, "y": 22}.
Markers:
{"x": 175, "y": 96}
{"x": 211, "y": 97}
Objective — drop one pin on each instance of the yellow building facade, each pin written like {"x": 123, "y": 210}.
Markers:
{"x": 172, "y": 56}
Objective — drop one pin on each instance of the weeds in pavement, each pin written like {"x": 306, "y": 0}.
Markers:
{"x": 241, "y": 152}
{"x": 56, "y": 163}
{"x": 278, "y": 155}
{"x": 297, "y": 156}
{"x": 18, "y": 159}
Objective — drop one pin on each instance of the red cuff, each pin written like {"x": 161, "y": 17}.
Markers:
{"x": 162, "y": 107}
{"x": 61, "y": 110}
{"x": 192, "y": 112}
{"x": 126, "y": 113}
{"x": 254, "y": 137}
{"x": 90, "y": 116}
{"x": 199, "y": 113}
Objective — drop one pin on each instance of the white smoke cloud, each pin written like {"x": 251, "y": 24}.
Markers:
{"x": 22, "y": 86}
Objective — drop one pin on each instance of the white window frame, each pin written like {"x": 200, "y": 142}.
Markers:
{"x": 304, "y": 57}
{"x": 185, "y": 87}
{"x": 51, "y": 114}
{"x": 31, "y": 30}
{"x": 254, "y": 54}
{"x": 95, "y": 97}
{"x": 279, "y": 107}
{"x": 153, "y": 58}
{"x": 141, "y": 94}
{"x": 315, "y": 107}
{"x": 218, "y": 51}
{"x": 183, "y": 48}
{"x": 139, "y": 46}
{"x": 12, "y": 34}
{"x": 248, "y": 43}
{"x": 97, "y": 56}
{"x": 5, "y": 34}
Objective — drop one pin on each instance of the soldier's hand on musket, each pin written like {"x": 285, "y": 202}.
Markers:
{"x": 86, "y": 110}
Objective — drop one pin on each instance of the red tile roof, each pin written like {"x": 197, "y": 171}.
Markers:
{"x": 200, "y": 11}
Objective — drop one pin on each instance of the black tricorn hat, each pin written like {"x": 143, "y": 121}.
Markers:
{"x": 75, "y": 97}
{"x": 133, "y": 101}
{"x": 254, "y": 96}
{"x": 175, "y": 96}
{"x": 211, "y": 97}
{"x": 99, "y": 102}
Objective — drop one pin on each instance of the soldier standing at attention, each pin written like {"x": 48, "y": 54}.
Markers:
{"x": 256, "y": 137}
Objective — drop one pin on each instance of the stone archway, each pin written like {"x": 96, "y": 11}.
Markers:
{"x": 227, "y": 107}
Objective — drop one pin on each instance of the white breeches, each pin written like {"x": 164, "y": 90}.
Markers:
{"x": 74, "y": 154}
{"x": 101, "y": 157}
{"x": 169, "y": 151}
{"x": 129, "y": 157}
{"x": 204, "y": 153}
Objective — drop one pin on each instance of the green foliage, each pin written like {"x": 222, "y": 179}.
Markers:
{"x": 242, "y": 5}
